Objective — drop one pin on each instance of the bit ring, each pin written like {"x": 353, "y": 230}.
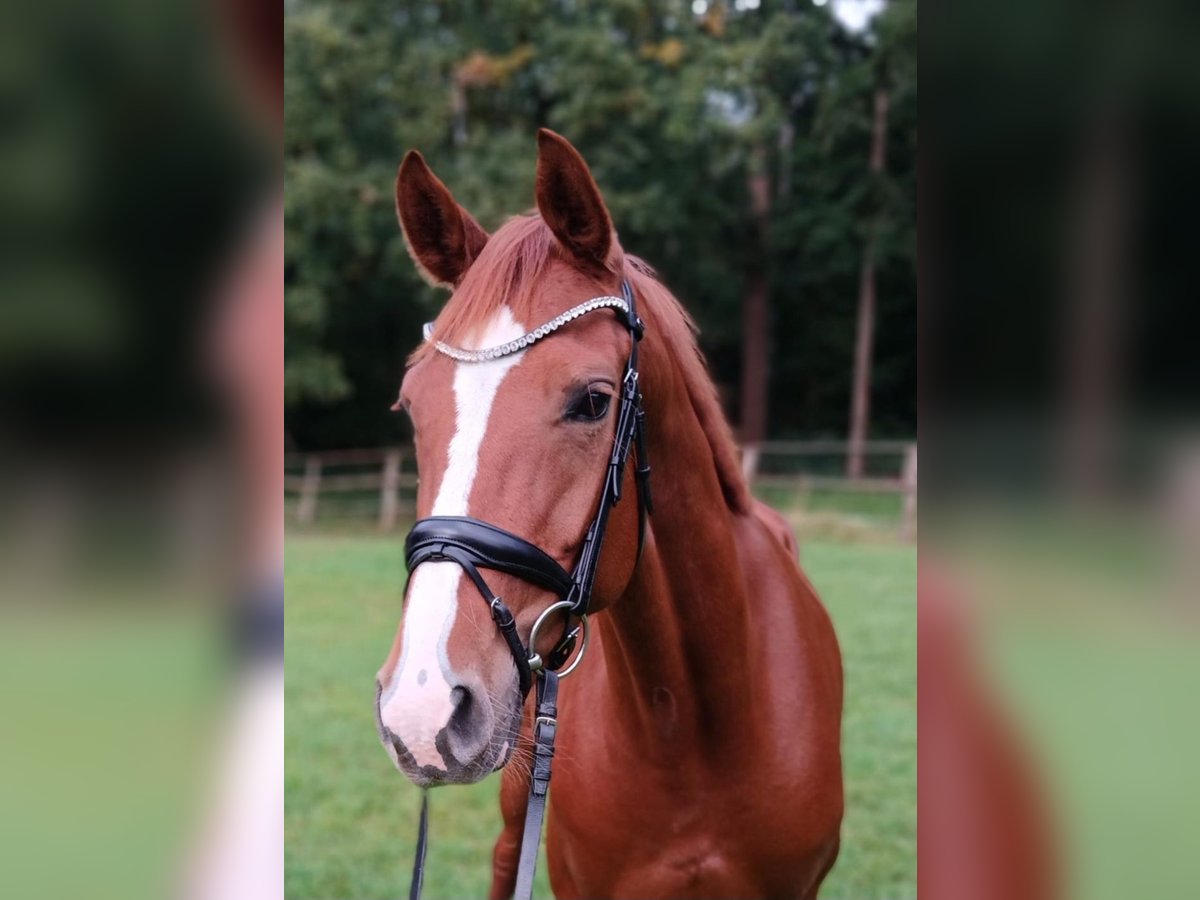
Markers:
{"x": 536, "y": 663}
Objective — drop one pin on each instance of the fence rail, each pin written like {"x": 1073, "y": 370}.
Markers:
{"x": 384, "y": 479}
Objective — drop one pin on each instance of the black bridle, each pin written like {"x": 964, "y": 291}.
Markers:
{"x": 474, "y": 544}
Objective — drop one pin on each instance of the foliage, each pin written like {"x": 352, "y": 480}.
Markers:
{"x": 673, "y": 110}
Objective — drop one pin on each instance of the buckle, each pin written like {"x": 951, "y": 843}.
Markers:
{"x": 544, "y": 742}
{"x": 501, "y": 614}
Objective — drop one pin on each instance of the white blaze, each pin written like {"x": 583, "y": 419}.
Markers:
{"x": 416, "y": 704}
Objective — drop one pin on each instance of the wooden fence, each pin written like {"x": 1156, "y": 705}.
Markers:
{"x": 810, "y": 466}
{"x": 382, "y": 481}
{"x": 387, "y": 473}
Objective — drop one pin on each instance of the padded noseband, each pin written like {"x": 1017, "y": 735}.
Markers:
{"x": 476, "y": 545}
{"x": 486, "y": 546}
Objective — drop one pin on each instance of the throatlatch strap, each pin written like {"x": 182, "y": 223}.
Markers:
{"x": 418, "y": 875}
{"x": 545, "y": 725}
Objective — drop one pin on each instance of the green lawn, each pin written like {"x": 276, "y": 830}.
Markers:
{"x": 876, "y": 509}
{"x": 351, "y": 818}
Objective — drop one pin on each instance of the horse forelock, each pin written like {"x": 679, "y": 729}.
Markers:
{"x": 508, "y": 272}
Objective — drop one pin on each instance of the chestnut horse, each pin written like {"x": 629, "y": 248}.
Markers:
{"x": 699, "y": 742}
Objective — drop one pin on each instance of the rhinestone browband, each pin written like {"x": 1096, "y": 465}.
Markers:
{"x": 526, "y": 340}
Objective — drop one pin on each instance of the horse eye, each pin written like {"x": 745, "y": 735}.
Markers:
{"x": 589, "y": 406}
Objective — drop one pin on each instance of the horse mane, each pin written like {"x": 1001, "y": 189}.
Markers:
{"x": 665, "y": 315}
{"x": 507, "y": 273}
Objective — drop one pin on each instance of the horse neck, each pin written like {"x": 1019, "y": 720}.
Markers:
{"x": 678, "y": 643}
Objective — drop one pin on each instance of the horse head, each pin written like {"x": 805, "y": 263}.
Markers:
{"x": 519, "y": 439}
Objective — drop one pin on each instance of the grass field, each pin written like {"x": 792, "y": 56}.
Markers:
{"x": 824, "y": 513}
{"x": 351, "y": 817}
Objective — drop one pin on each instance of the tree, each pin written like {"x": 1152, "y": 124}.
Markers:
{"x": 683, "y": 117}
{"x": 864, "y": 341}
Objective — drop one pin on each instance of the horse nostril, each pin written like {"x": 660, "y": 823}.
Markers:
{"x": 461, "y": 722}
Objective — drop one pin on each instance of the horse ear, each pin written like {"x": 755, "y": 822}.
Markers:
{"x": 442, "y": 237}
{"x": 570, "y": 201}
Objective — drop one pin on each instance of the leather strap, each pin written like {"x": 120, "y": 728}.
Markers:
{"x": 630, "y": 435}
{"x": 507, "y": 623}
{"x": 471, "y": 544}
{"x": 545, "y": 727}
{"x": 418, "y": 874}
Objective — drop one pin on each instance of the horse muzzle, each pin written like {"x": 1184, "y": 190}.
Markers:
{"x": 458, "y": 739}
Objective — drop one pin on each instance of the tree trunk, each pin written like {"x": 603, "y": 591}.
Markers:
{"x": 1097, "y": 297}
{"x": 755, "y": 313}
{"x": 860, "y": 393}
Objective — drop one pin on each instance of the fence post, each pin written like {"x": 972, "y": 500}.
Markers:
{"x": 750, "y": 457}
{"x": 389, "y": 491}
{"x": 306, "y": 509}
{"x": 908, "y": 521}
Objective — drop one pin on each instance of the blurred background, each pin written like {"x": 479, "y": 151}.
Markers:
{"x": 141, "y": 385}
{"x": 1060, "y": 597}
{"x": 761, "y": 156}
